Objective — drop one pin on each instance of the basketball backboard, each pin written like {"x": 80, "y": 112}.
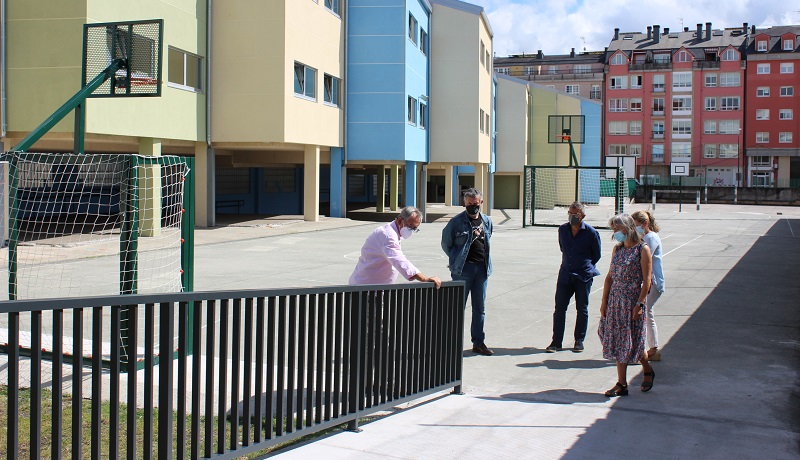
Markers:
{"x": 561, "y": 129}
{"x": 137, "y": 44}
{"x": 678, "y": 169}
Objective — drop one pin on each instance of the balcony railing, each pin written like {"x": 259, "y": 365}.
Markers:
{"x": 705, "y": 65}
{"x": 650, "y": 66}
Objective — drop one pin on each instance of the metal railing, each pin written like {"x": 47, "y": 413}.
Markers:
{"x": 267, "y": 366}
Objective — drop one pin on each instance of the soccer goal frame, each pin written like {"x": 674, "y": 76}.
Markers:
{"x": 549, "y": 191}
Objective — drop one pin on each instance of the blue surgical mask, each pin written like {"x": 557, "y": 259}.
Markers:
{"x": 639, "y": 230}
{"x": 620, "y": 237}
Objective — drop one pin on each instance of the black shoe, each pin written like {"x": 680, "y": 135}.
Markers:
{"x": 578, "y": 347}
{"x": 482, "y": 349}
{"x": 552, "y": 348}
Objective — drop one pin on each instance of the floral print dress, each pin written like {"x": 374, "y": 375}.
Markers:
{"x": 622, "y": 336}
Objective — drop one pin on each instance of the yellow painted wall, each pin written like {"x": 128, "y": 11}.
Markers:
{"x": 455, "y": 78}
{"x": 45, "y": 61}
{"x": 512, "y": 125}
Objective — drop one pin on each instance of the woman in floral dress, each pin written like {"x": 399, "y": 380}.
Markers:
{"x": 621, "y": 330}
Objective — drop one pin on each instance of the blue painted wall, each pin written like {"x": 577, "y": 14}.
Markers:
{"x": 590, "y": 151}
{"x": 384, "y": 67}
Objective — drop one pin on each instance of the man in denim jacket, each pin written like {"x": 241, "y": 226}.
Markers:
{"x": 466, "y": 241}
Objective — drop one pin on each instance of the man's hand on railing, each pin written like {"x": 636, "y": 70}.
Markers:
{"x": 427, "y": 279}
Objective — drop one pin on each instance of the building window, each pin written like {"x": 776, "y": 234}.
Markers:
{"x": 595, "y": 93}
{"x": 762, "y": 114}
{"x": 709, "y": 127}
{"x": 530, "y": 70}
{"x": 788, "y": 45}
{"x": 636, "y": 104}
{"x": 661, "y": 58}
{"x": 762, "y": 91}
{"x": 729, "y": 150}
{"x": 729, "y": 79}
{"x": 305, "y": 81}
{"x": 710, "y": 103}
{"x": 617, "y": 105}
{"x": 658, "y": 129}
{"x": 729, "y": 126}
{"x": 761, "y": 161}
{"x": 618, "y": 82}
{"x": 481, "y": 119}
{"x": 333, "y": 5}
{"x": 185, "y": 70}
{"x": 552, "y": 70}
{"x": 785, "y": 114}
{"x": 582, "y": 68}
{"x": 232, "y": 181}
{"x": 681, "y": 127}
{"x": 412, "y": 110}
{"x": 619, "y": 59}
{"x": 682, "y": 56}
{"x": 488, "y": 125}
{"x": 729, "y": 55}
{"x": 636, "y": 127}
{"x": 681, "y": 104}
{"x": 482, "y": 56}
{"x": 785, "y": 138}
{"x": 502, "y": 70}
{"x": 682, "y": 80}
{"x": 710, "y": 151}
{"x": 488, "y": 61}
{"x": 762, "y": 45}
{"x": 280, "y": 180}
{"x": 787, "y": 91}
{"x": 711, "y": 80}
{"x": 423, "y": 116}
{"x": 617, "y": 150}
{"x": 423, "y": 42}
{"x": 573, "y": 89}
{"x": 658, "y": 82}
{"x": 618, "y": 127}
{"x": 762, "y": 137}
{"x": 636, "y": 81}
{"x": 331, "y": 90}
{"x": 682, "y": 150}
{"x": 412, "y": 29}
{"x": 658, "y": 153}
{"x": 658, "y": 106}
{"x": 787, "y": 67}
{"x": 635, "y": 150}
{"x": 762, "y": 69}
{"x": 729, "y": 103}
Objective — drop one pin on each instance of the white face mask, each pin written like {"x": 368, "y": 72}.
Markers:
{"x": 405, "y": 233}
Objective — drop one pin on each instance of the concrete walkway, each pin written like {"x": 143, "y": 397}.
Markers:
{"x": 729, "y": 327}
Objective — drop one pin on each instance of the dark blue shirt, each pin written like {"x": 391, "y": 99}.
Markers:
{"x": 579, "y": 253}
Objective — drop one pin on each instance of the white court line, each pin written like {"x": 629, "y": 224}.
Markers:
{"x": 790, "y": 227}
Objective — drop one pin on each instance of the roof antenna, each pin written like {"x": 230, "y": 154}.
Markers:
{"x": 583, "y": 39}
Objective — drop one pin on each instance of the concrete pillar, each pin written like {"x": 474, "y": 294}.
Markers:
{"x": 381, "y": 188}
{"x": 338, "y": 181}
{"x": 149, "y": 189}
{"x": 481, "y": 184}
{"x": 394, "y": 178}
{"x": 448, "y": 185}
{"x": 410, "y": 189}
{"x": 311, "y": 184}
{"x": 204, "y": 180}
{"x": 522, "y": 191}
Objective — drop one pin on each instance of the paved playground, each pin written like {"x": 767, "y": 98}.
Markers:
{"x": 729, "y": 326}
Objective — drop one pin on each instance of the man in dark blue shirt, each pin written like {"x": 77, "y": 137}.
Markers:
{"x": 580, "y": 252}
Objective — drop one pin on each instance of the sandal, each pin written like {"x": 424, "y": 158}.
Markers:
{"x": 620, "y": 389}
{"x": 646, "y": 386}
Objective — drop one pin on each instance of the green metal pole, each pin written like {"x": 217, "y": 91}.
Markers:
{"x": 13, "y": 236}
{"x": 187, "y": 246}
{"x": 80, "y": 128}
{"x": 525, "y": 192}
{"x": 68, "y": 106}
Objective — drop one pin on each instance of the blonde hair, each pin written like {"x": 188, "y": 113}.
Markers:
{"x": 646, "y": 217}
{"x": 626, "y": 221}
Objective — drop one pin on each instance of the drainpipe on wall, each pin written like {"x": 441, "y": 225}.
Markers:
{"x": 346, "y": 13}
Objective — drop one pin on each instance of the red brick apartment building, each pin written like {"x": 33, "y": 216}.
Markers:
{"x": 772, "y": 119}
{"x": 677, "y": 97}
{"x": 578, "y": 74}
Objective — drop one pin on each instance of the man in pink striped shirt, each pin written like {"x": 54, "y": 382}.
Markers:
{"x": 382, "y": 258}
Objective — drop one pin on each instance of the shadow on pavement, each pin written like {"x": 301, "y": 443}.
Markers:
{"x": 730, "y": 373}
{"x": 507, "y": 351}
{"x": 581, "y": 364}
{"x": 562, "y": 396}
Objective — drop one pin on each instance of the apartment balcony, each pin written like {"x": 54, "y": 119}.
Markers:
{"x": 658, "y": 88}
{"x": 650, "y": 66}
{"x": 658, "y": 113}
{"x": 595, "y": 95}
{"x": 658, "y": 136}
{"x": 705, "y": 65}
{"x": 562, "y": 75}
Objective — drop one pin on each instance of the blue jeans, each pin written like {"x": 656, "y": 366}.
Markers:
{"x": 476, "y": 279}
{"x": 564, "y": 292}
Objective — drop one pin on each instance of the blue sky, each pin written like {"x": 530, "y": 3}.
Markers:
{"x": 557, "y": 26}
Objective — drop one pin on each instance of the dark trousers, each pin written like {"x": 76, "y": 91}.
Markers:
{"x": 564, "y": 292}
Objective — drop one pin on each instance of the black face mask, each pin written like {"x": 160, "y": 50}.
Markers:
{"x": 473, "y": 209}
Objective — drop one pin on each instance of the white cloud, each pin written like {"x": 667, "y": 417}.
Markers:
{"x": 556, "y": 27}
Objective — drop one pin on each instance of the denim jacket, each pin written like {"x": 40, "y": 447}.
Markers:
{"x": 457, "y": 238}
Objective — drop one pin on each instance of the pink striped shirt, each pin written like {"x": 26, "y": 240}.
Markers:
{"x": 382, "y": 258}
